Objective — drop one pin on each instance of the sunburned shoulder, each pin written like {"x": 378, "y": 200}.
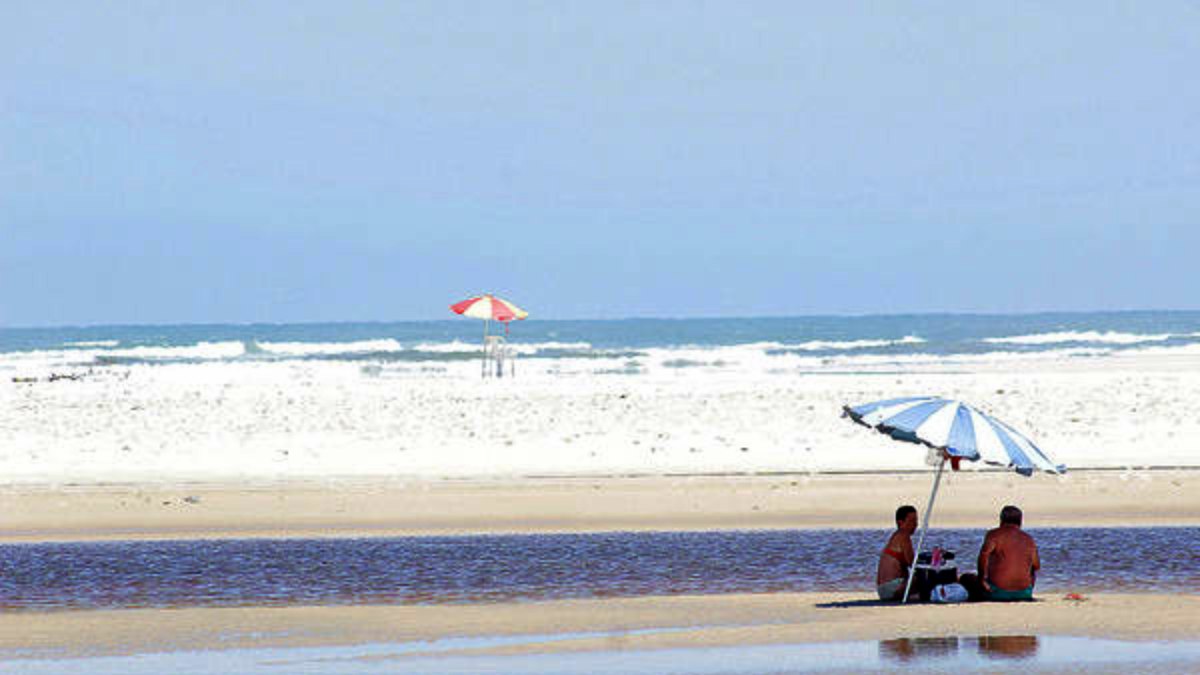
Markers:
{"x": 1010, "y": 534}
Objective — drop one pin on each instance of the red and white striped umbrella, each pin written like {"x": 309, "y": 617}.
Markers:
{"x": 489, "y": 307}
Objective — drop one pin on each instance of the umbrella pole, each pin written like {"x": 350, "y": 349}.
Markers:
{"x": 483, "y": 373}
{"x": 924, "y": 528}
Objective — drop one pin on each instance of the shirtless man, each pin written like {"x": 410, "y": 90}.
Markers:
{"x": 1008, "y": 560}
{"x": 897, "y": 557}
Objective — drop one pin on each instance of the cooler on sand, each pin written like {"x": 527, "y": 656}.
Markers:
{"x": 933, "y": 570}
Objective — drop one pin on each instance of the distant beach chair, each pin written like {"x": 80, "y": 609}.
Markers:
{"x": 496, "y": 353}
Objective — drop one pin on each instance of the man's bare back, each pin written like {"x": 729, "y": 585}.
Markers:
{"x": 1008, "y": 559}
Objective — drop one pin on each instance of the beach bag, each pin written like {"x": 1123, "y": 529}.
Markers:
{"x": 947, "y": 593}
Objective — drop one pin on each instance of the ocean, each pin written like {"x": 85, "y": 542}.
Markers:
{"x": 627, "y": 347}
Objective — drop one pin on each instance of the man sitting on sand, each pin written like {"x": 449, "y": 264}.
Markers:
{"x": 897, "y": 557}
{"x": 1008, "y": 562}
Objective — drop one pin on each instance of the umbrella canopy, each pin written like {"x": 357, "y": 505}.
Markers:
{"x": 958, "y": 431}
{"x": 489, "y": 307}
{"x": 955, "y": 427}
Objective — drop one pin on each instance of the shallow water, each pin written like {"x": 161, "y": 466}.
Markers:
{"x": 1026, "y": 653}
{"x": 448, "y": 570}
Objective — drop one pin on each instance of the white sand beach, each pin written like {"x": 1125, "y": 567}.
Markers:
{"x": 224, "y": 422}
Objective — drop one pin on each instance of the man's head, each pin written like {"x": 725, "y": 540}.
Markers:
{"x": 906, "y": 518}
{"x": 1010, "y": 515}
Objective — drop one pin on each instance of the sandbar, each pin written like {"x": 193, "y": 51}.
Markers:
{"x": 613, "y": 623}
{"x": 372, "y": 507}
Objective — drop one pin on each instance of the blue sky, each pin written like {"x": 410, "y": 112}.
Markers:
{"x": 297, "y": 161}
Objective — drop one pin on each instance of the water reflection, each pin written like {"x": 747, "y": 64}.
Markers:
{"x": 1050, "y": 654}
{"x": 1008, "y": 646}
{"x": 907, "y": 650}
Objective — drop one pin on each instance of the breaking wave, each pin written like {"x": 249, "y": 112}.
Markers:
{"x": 1107, "y": 337}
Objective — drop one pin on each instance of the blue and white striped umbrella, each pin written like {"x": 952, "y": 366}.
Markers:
{"x": 957, "y": 428}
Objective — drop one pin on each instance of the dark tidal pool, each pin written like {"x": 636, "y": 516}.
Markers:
{"x": 495, "y": 568}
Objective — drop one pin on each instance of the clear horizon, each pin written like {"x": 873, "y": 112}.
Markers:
{"x": 308, "y": 163}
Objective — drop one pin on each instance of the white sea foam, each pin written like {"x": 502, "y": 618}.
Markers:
{"x": 518, "y": 347}
{"x": 835, "y": 345}
{"x": 46, "y": 355}
{"x": 454, "y": 347}
{"x": 310, "y": 348}
{"x": 1108, "y": 337}
{"x": 809, "y": 346}
{"x": 752, "y": 359}
{"x": 534, "y": 347}
{"x": 980, "y": 358}
{"x": 1177, "y": 350}
{"x": 201, "y": 350}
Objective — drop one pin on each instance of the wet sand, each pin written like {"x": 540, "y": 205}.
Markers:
{"x": 372, "y": 507}
{"x": 625, "y": 624}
